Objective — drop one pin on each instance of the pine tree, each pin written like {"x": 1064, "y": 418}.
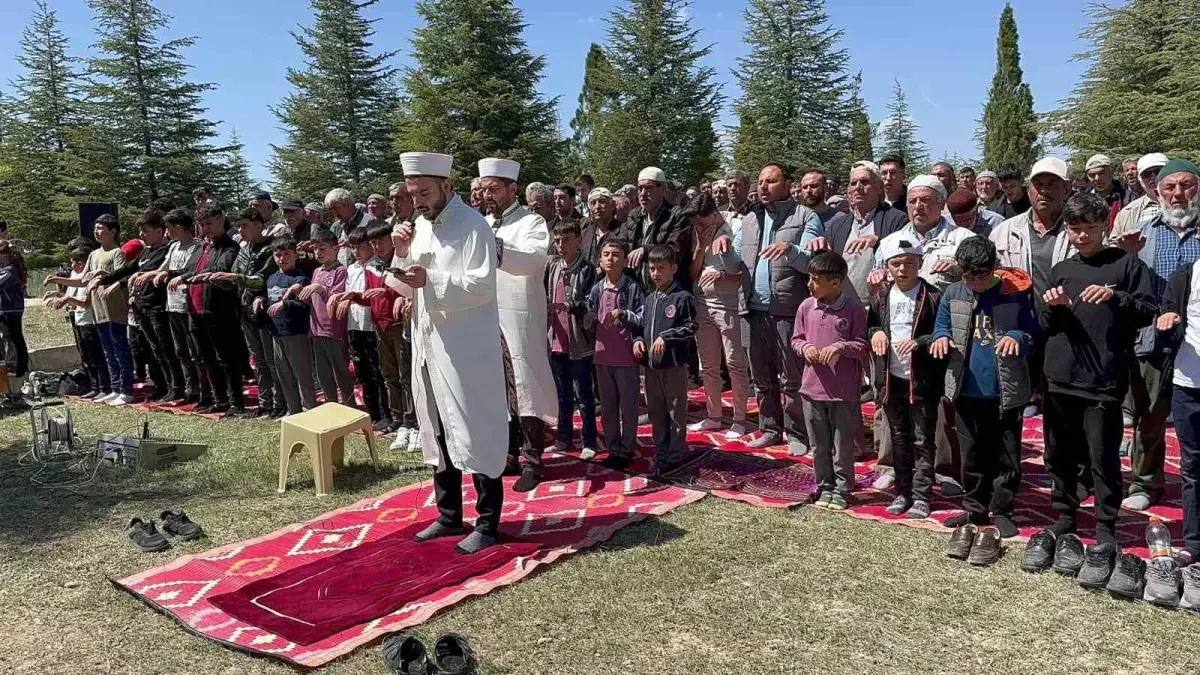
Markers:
{"x": 860, "y": 125}
{"x": 795, "y": 90}
{"x": 149, "y": 128}
{"x": 43, "y": 113}
{"x": 663, "y": 114}
{"x": 232, "y": 183}
{"x": 473, "y": 93}
{"x": 599, "y": 90}
{"x": 898, "y": 133}
{"x": 1138, "y": 93}
{"x": 1009, "y": 123}
{"x": 340, "y": 113}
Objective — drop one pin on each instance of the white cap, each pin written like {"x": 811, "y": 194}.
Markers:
{"x": 599, "y": 193}
{"x": 834, "y": 200}
{"x": 1154, "y": 160}
{"x": 493, "y": 167}
{"x": 985, "y": 174}
{"x": 868, "y": 166}
{"x": 900, "y": 245}
{"x": 653, "y": 173}
{"x": 927, "y": 181}
{"x": 1051, "y": 165}
{"x": 1097, "y": 161}
{"x": 426, "y": 164}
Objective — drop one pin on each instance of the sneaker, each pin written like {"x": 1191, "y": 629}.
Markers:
{"x": 528, "y": 480}
{"x": 1068, "y": 555}
{"x": 145, "y": 537}
{"x": 405, "y": 654}
{"x": 822, "y": 501}
{"x": 884, "y": 481}
{"x": 121, "y": 399}
{"x": 1098, "y": 561}
{"x": 452, "y": 655}
{"x": 177, "y": 524}
{"x": 414, "y": 440}
{"x": 88, "y": 395}
{"x": 105, "y": 398}
{"x": 959, "y": 546}
{"x": 764, "y": 441}
{"x": 705, "y": 424}
{"x": 1191, "y": 589}
{"x": 797, "y": 449}
{"x": 1039, "y": 552}
{"x": 736, "y": 431}
{"x": 401, "y": 442}
{"x": 1128, "y": 577}
{"x": 587, "y": 452}
{"x": 985, "y": 550}
{"x": 919, "y": 510}
{"x": 899, "y": 505}
{"x": 1162, "y": 582}
{"x": 837, "y": 502}
{"x": 1138, "y": 501}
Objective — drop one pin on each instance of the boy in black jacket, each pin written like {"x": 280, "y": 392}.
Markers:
{"x": 667, "y": 320}
{"x": 909, "y": 382}
{"x": 1098, "y": 301}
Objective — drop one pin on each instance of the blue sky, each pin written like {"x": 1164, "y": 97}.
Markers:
{"x": 942, "y": 53}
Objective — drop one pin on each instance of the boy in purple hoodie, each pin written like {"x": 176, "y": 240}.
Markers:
{"x": 831, "y": 336}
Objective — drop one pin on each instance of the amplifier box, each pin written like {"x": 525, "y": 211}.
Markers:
{"x": 132, "y": 452}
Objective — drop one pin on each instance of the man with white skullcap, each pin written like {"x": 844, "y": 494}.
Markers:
{"x": 1145, "y": 207}
{"x": 523, "y": 240}
{"x": 446, "y": 263}
{"x": 1099, "y": 170}
{"x": 929, "y": 226}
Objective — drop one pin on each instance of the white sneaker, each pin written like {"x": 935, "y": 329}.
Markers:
{"x": 587, "y": 453}
{"x": 705, "y": 425}
{"x": 884, "y": 481}
{"x": 736, "y": 431}
{"x": 105, "y": 398}
{"x": 401, "y": 442}
{"x": 414, "y": 440}
{"x": 121, "y": 399}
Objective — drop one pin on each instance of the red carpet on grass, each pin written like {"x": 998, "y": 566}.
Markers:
{"x": 310, "y": 593}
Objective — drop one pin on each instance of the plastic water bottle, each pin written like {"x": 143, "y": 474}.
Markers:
{"x": 1158, "y": 539}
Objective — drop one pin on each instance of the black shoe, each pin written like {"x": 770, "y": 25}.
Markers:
{"x": 212, "y": 409}
{"x": 664, "y": 469}
{"x": 452, "y": 655}
{"x": 1039, "y": 552}
{"x": 277, "y": 413}
{"x": 262, "y": 413}
{"x": 234, "y": 413}
{"x": 145, "y": 536}
{"x": 529, "y": 480}
{"x": 986, "y": 548}
{"x": 1068, "y": 555}
{"x": 1097, "y": 567}
{"x": 384, "y": 426}
{"x": 406, "y": 655}
{"x": 616, "y": 462}
{"x": 1128, "y": 578}
{"x": 179, "y": 525}
{"x": 959, "y": 546}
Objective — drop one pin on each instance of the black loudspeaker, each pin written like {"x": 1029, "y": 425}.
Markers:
{"x": 89, "y": 212}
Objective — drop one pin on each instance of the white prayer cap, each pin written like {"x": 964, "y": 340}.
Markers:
{"x": 493, "y": 167}
{"x": 900, "y": 245}
{"x": 1097, "y": 161}
{"x": 1051, "y": 165}
{"x": 986, "y": 174}
{"x": 927, "y": 181}
{"x": 868, "y": 166}
{"x": 653, "y": 173}
{"x": 426, "y": 164}
{"x": 599, "y": 193}
{"x": 833, "y": 201}
{"x": 1154, "y": 160}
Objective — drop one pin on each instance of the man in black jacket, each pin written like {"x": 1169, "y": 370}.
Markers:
{"x": 654, "y": 222}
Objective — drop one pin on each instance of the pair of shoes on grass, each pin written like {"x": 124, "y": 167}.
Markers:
{"x": 979, "y": 546}
{"x": 405, "y": 654}
{"x": 147, "y": 538}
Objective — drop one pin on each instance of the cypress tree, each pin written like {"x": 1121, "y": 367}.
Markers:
{"x": 340, "y": 112}
{"x": 473, "y": 92}
{"x": 1009, "y": 123}
{"x": 898, "y": 133}
{"x": 150, "y": 130}
{"x": 232, "y": 183}
{"x": 795, "y": 105}
{"x": 663, "y": 114}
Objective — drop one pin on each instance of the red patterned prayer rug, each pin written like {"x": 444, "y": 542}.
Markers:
{"x": 310, "y": 593}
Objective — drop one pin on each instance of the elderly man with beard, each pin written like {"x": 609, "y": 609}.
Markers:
{"x": 655, "y": 222}
{"x": 448, "y": 262}
{"x": 347, "y": 218}
{"x": 522, "y": 240}
{"x": 812, "y": 191}
{"x": 773, "y": 244}
{"x": 540, "y": 199}
{"x": 599, "y": 225}
{"x": 938, "y": 235}
{"x": 1167, "y": 242}
{"x": 991, "y": 197}
{"x": 1145, "y": 207}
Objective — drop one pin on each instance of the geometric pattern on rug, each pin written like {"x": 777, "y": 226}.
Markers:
{"x": 578, "y": 505}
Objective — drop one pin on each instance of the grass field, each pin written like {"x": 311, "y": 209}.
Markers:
{"x": 715, "y": 587}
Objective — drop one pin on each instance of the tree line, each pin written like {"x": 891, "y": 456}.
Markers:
{"x": 127, "y": 123}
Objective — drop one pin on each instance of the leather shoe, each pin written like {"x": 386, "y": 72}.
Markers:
{"x": 452, "y": 655}
{"x": 406, "y": 655}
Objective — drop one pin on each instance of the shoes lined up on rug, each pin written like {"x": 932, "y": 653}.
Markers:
{"x": 405, "y": 654}
{"x": 148, "y": 538}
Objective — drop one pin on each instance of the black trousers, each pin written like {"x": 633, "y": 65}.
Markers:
{"x": 156, "y": 326}
{"x": 144, "y": 365}
{"x": 990, "y": 443}
{"x": 91, "y": 355}
{"x": 16, "y": 335}
{"x": 913, "y": 432}
{"x": 223, "y": 351}
{"x": 447, "y": 492}
{"x": 364, "y": 353}
{"x": 188, "y": 356}
{"x": 1084, "y": 432}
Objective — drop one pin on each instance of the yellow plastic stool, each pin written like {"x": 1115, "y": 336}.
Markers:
{"x": 323, "y": 431}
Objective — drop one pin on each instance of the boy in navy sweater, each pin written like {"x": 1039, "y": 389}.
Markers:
{"x": 289, "y": 328}
{"x": 667, "y": 320}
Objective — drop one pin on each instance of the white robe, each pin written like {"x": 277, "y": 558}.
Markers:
{"x": 456, "y": 336}
{"x": 521, "y": 295}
